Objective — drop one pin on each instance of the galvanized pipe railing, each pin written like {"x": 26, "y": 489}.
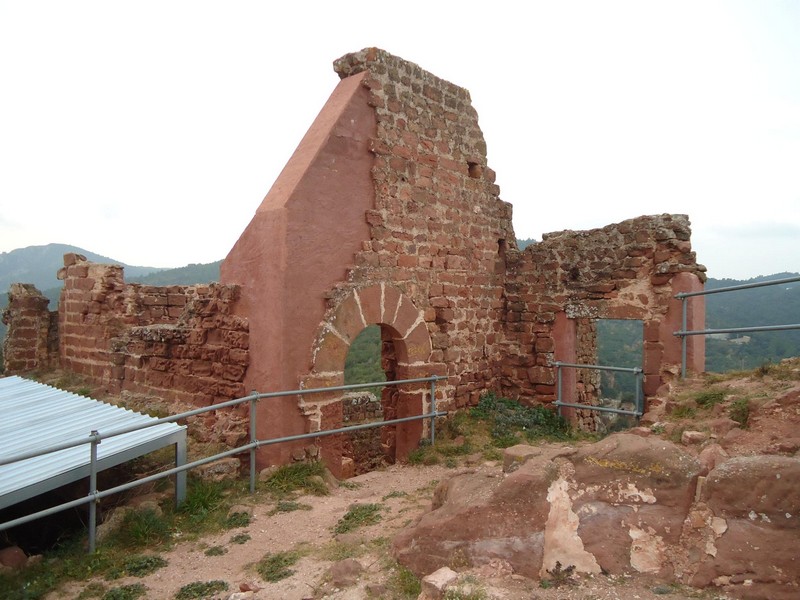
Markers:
{"x": 636, "y": 371}
{"x": 684, "y": 296}
{"x": 96, "y": 437}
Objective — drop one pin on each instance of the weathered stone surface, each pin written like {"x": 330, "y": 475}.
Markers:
{"x": 435, "y": 585}
{"x": 612, "y": 505}
{"x": 344, "y": 573}
{"x": 13, "y": 557}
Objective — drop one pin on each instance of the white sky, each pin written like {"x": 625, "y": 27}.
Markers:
{"x": 150, "y": 131}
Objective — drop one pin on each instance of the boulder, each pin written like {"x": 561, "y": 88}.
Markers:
{"x": 614, "y": 506}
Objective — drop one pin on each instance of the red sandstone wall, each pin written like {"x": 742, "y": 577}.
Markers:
{"x": 32, "y": 337}
{"x": 629, "y": 270}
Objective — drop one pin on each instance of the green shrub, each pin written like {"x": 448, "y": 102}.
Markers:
{"x": 708, "y": 398}
{"x": 298, "y": 477}
{"x": 140, "y": 528}
{"x": 126, "y": 592}
{"x": 359, "y": 515}
{"x": 200, "y": 589}
{"x": 274, "y": 567}
{"x": 508, "y": 416}
{"x": 739, "y": 411}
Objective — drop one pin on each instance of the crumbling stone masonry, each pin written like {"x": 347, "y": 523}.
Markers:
{"x": 388, "y": 214}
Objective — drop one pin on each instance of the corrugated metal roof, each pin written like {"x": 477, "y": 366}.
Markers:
{"x": 35, "y": 416}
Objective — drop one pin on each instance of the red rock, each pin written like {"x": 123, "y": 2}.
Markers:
{"x": 13, "y": 557}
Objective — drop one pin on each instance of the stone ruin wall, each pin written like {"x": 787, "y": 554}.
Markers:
{"x": 164, "y": 349}
{"x": 31, "y": 342}
{"x": 557, "y": 288}
{"x": 434, "y": 262}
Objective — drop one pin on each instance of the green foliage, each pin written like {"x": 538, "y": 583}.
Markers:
{"x": 560, "y": 575}
{"x": 284, "y": 506}
{"x": 683, "y": 411}
{"x": 274, "y": 567}
{"x": 710, "y": 397}
{"x": 404, "y": 583}
{"x": 126, "y": 592}
{"x": 215, "y": 551}
{"x": 363, "y": 361}
{"x": 188, "y": 275}
{"x": 456, "y": 593}
{"x": 423, "y": 455}
{"x": 240, "y": 538}
{"x": 93, "y": 590}
{"x": 143, "y": 564}
{"x": 739, "y": 411}
{"x": 200, "y": 589}
{"x": 298, "y": 476}
{"x": 359, "y": 515}
{"x": 619, "y": 344}
{"x": 508, "y": 416}
{"x": 140, "y": 528}
{"x": 237, "y": 519}
{"x": 202, "y": 498}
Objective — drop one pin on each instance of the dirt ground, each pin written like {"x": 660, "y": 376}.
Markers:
{"x": 404, "y": 492}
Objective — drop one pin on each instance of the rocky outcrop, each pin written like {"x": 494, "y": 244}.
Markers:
{"x": 622, "y": 505}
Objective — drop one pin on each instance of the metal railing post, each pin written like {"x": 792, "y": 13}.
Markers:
{"x": 639, "y": 393}
{"x": 684, "y": 300}
{"x": 558, "y": 387}
{"x": 433, "y": 410}
{"x": 93, "y": 491}
{"x": 253, "y": 440}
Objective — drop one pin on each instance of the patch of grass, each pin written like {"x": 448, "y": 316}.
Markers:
{"x": 350, "y": 485}
{"x": 424, "y": 455}
{"x": 335, "y": 551}
{"x": 274, "y": 567}
{"x": 508, "y": 416}
{"x": 359, "y": 515}
{"x": 202, "y": 498}
{"x": 457, "y": 593}
{"x": 140, "y": 528}
{"x": 240, "y": 538}
{"x": 126, "y": 592}
{"x": 143, "y": 564}
{"x": 710, "y": 397}
{"x": 200, "y": 589}
{"x": 492, "y": 453}
{"x": 304, "y": 477}
{"x": 237, "y": 519}
{"x": 739, "y": 411}
{"x": 284, "y": 506}
{"x": 215, "y": 551}
{"x": 404, "y": 583}
{"x": 683, "y": 411}
{"x": 395, "y": 494}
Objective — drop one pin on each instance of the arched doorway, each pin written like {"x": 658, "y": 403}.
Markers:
{"x": 406, "y": 350}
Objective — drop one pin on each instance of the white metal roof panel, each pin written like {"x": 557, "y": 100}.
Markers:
{"x": 35, "y": 416}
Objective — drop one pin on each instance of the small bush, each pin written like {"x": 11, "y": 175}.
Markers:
{"x": 142, "y": 565}
{"x": 404, "y": 583}
{"x": 202, "y": 498}
{"x": 739, "y": 411}
{"x": 708, "y": 398}
{"x": 237, "y": 519}
{"x": 140, "y": 528}
{"x": 298, "y": 476}
{"x": 284, "y": 506}
{"x": 240, "y": 538}
{"x": 274, "y": 567}
{"x": 126, "y": 592}
{"x": 508, "y": 416}
{"x": 200, "y": 589}
{"x": 215, "y": 551}
{"x": 359, "y": 515}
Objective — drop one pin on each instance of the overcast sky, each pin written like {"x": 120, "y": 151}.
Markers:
{"x": 150, "y": 131}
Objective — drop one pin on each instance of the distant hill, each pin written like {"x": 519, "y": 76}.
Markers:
{"x": 39, "y": 264}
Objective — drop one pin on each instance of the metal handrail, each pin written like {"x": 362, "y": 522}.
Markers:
{"x": 684, "y": 333}
{"x": 95, "y": 437}
{"x": 637, "y": 371}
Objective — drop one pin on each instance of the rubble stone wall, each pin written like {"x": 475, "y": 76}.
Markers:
{"x": 32, "y": 339}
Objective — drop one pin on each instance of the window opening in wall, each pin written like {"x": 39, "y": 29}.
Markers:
{"x": 619, "y": 344}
